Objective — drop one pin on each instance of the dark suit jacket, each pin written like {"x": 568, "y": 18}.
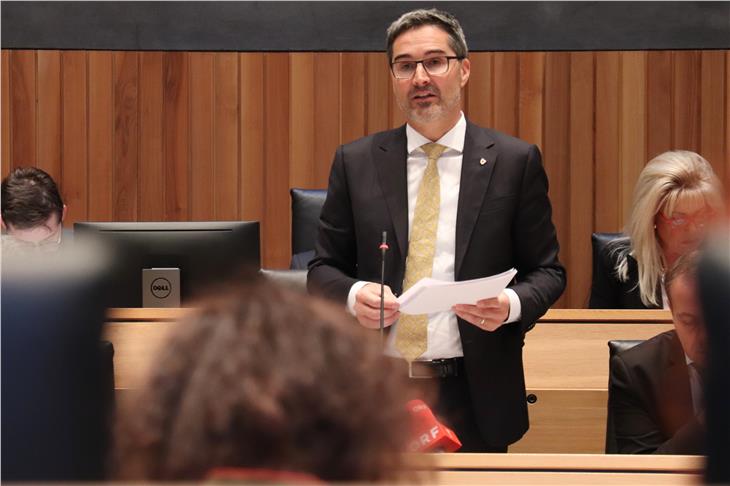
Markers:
{"x": 651, "y": 399}
{"x": 608, "y": 291}
{"x": 503, "y": 221}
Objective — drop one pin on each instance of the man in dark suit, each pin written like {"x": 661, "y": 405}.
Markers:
{"x": 656, "y": 387}
{"x": 458, "y": 202}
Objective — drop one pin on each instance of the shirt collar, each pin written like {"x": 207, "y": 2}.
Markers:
{"x": 453, "y": 139}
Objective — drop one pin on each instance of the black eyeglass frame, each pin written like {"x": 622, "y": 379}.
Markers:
{"x": 420, "y": 61}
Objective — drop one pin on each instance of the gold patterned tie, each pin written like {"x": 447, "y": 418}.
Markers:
{"x": 412, "y": 334}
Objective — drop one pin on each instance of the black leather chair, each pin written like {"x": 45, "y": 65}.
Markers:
{"x": 294, "y": 279}
{"x": 599, "y": 242}
{"x": 306, "y": 205}
{"x": 614, "y": 347}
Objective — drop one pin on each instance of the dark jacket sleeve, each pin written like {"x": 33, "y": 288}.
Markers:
{"x": 636, "y": 425}
{"x": 542, "y": 278}
{"x": 332, "y": 270}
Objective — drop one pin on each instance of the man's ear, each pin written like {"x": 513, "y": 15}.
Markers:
{"x": 465, "y": 71}
{"x": 63, "y": 214}
{"x": 2, "y": 224}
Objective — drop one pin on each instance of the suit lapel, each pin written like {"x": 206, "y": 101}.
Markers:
{"x": 389, "y": 156}
{"x": 477, "y": 166}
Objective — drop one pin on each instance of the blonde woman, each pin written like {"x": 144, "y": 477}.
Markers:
{"x": 676, "y": 199}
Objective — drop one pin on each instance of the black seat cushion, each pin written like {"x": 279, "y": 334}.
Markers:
{"x": 306, "y": 205}
{"x": 615, "y": 347}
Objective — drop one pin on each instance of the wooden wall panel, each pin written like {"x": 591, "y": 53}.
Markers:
{"x": 151, "y": 163}
{"x": 176, "y": 135}
{"x": 125, "y": 176}
{"x": 74, "y": 147}
{"x": 226, "y": 137}
{"x": 48, "y": 118}
{"x": 203, "y": 136}
{"x": 102, "y": 116}
{"x": 202, "y": 129}
{"x": 5, "y": 113}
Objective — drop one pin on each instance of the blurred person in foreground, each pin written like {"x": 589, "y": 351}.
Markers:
{"x": 657, "y": 387}
{"x": 32, "y": 210}
{"x": 264, "y": 384}
{"x": 676, "y": 200}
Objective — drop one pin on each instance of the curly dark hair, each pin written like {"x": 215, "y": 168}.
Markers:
{"x": 263, "y": 377}
{"x": 29, "y": 198}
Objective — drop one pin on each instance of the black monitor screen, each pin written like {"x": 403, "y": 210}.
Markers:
{"x": 207, "y": 253}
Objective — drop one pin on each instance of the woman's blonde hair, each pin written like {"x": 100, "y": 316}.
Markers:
{"x": 666, "y": 179}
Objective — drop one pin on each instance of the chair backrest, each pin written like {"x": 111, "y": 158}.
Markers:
{"x": 614, "y": 347}
{"x": 294, "y": 279}
{"x": 306, "y": 205}
{"x": 599, "y": 242}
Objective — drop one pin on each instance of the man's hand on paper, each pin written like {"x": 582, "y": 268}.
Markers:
{"x": 487, "y": 314}
{"x": 367, "y": 306}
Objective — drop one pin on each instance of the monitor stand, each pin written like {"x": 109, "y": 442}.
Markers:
{"x": 161, "y": 287}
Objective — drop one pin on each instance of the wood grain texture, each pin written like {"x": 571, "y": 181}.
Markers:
{"x": 226, "y": 174}
{"x": 151, "y": 162}
{"x": 126, "y": 136}
{"x": 5, "y": 149}
{"x": 101, "y": 136}
{"x": 48, "y": 118}
{"x": 75, "y": 149}
{"x": 203, "y": 136}
{"x": 202, "y": 129}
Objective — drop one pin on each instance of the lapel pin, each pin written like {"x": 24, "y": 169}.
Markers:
{"x": 482, "y": 161}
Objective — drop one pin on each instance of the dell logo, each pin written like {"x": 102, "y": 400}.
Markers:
{"x": 161, "y": 287}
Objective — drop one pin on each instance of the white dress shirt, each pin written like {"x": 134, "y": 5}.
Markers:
{"x": 443, "y": 332}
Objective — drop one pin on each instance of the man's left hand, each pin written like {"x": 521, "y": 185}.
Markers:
{"x": 487, "y": 314}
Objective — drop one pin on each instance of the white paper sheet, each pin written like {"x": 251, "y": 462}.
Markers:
{"x": 429, "y": 295}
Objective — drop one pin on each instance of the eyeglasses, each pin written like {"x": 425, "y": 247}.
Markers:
{"x": 700, "y": 219}
{"x": 46, "y": 245}
{"x": 434, "y": 66}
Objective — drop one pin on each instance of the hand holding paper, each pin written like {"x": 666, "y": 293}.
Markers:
{"x": 430, "y": 295}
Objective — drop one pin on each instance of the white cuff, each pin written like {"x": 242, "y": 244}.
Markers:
{"x": 515, "y": 306}
{"x": 353, "y": 292}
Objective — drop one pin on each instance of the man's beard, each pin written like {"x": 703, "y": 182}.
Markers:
{"x": 432, "y": 112}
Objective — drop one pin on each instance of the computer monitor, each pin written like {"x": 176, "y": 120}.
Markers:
{"x": 206, "y": 253}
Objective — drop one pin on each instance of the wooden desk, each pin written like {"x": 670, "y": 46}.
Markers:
{"x": 565, "y": 359}
{"x": 558, "y": 469}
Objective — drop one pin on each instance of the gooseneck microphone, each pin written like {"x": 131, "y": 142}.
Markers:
{"x": 383, "y": 248}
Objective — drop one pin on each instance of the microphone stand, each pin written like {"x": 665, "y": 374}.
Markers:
{"x": 383, "y": 248}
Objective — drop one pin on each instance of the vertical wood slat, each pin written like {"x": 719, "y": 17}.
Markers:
{"x": 712, "y": 110}
{"x": 353, "y": 98}
{"x": 636, "y": 112}
{"x": 276, "y": 249}
{"x": 48, "y": 109}
{"x": 301, "y": 120}
{"x": 5, "y": 157}
{"x": 608, "y": 216}
{"x": 151, "y": 163}
{"x": 23, "y": 108}
{"x": 686, "y": 106}
{"x": 632, "y": 120}
{"x": 327, "y": 114}
{"x": 176, "y": 135}
{"x": 480, "y": 105}
{"x": 202, "y": 128}
{"x": 252, "y": 136}
{"x": 74, "y": 152}
{"x": 659, "y": 110}
{"x": 531, "y": 96}
{"x": 226, "y": 136}
{"x": 126, "y": 174}
{"x": 581, "y": 175}
{"x": 556, "y": 148}
{"x": 101, "y": 136}
{"x": 506, "y": 81}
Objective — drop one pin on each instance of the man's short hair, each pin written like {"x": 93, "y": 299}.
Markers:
{"x": 417, "y": 18}
{"x": 685, "y": 265}
{"x": 29, "y": 198}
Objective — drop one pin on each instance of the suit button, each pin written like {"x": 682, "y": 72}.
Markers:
{"x": 531, "y": 398}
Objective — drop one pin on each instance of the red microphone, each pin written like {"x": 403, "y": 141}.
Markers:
{"x": 429, "y": 435}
